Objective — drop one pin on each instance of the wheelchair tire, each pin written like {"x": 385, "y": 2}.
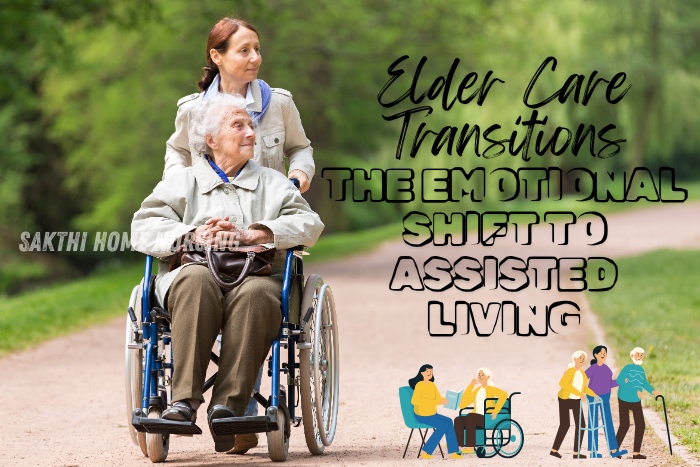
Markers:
{"x": 486, "y": 452}
{"x": 278, "y": 440}
{"x": 319, "y": 367}
{"x": 514, "y": 443}
{"x": 158, "y": 444}
{"x": 133, "y": 374}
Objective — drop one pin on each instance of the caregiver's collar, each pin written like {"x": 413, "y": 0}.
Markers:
{"x": 253, "y": 95}
{"x": 254, "y": 89}
{"x": 207, "y": 179}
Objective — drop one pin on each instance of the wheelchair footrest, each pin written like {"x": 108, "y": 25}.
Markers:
{"x": 238, "y": 425}
{"x": 162, "y": 426}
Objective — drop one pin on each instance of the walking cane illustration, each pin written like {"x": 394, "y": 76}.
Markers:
{"x": 666, "y": 417}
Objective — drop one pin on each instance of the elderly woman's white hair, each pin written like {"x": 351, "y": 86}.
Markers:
{"x": 487, "y": 372}
{"x": 208, "y": 116}
{"x": 576, "y": 355}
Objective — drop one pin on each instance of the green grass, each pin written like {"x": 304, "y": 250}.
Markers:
{"x": 16, "y": 271}
{"x": 33, "y": 317}
{"x": 655, "y": 306}
{"x": 345, "y": 244}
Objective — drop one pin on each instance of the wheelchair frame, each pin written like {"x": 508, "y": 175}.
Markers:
{"x": 317, "y": 342}
{"x": 493, "y": 426}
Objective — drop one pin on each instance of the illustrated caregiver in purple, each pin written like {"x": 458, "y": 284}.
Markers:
{"x": 601, "y": 381}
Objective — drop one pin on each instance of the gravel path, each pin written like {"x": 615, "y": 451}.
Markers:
{"x": 65, "y": 399}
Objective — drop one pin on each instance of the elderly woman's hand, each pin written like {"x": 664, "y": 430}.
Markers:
{"x": 304, "y": 182}
{"x": 223, "y": 233}
{"x": 205, "y": 234}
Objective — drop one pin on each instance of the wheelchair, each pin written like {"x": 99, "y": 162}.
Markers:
{"x": 502, "y": 436}
{"x": 309, "y": 325}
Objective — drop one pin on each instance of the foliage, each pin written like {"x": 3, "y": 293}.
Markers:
{"x": 88, "y": 89}
{"x": 654, "y": 306}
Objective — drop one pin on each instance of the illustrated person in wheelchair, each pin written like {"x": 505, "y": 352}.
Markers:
{"x": 485, "y": 425}
{"x": 479, "y": 389}
{"x": 224, "y": 200}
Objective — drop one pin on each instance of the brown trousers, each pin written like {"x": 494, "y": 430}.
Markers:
{"x": 470, "y": 423}
{"x": 639, "y": 425}
{"x": 566, "y": 405}
{"x": 249, "y": 319}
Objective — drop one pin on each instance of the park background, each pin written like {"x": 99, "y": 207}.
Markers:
{"x": 88, "y": 92}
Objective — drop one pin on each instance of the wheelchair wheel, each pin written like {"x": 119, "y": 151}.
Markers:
{"x": 278, "y": 440}
{"x": 486, "y": 452}
{"x": 319, "y": 367}
{"x": 508, "y": 438}
{"x": 157, "y": 444}
{"x": 133, "y": 375}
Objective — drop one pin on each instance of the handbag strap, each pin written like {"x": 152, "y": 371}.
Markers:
{"x": 221, "y": 282}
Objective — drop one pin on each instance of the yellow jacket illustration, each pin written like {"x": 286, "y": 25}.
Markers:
{"x": 567, "y": 386}
{"x": 426, "y": 398}
{"x": 492, "y": 392}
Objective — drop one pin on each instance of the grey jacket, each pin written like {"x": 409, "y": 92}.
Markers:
{"x": 279, "y": 134}
{"x": 257, "y": 197}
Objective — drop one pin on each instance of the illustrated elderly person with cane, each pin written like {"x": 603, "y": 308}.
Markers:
{"x": 224, "y": 199}
{"x": 632, "y": 382}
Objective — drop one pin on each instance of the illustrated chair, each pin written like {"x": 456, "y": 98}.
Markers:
{"x": 409, "y": 418}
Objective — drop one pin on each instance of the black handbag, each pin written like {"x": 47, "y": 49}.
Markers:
{"x": 228, "y": 266}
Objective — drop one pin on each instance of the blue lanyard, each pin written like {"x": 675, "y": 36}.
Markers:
{"x": 220, "y": 172}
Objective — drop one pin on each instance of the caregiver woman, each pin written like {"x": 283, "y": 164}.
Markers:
{"x": 601, "y": 381}
{"x": 233, "y": 62}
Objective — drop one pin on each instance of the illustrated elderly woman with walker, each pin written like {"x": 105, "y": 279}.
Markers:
{"x": 573, "y": 384}
{"x": 224, "y": 199}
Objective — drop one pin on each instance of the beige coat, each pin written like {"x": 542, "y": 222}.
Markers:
{"x": 189, "y": 197}
{"x": 279, "y": 134}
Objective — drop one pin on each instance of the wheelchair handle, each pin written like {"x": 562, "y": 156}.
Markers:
{"x": 486, "y": 409}
{"x": 471, "y": 407}
{"x": 295, "y": 182}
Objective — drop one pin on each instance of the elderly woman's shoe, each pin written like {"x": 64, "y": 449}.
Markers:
{"x": 244, "y": 442}
{"x": 226, "y": 442}
{"x": 181, "y": 411}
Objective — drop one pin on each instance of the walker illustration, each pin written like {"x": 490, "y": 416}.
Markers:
{"x": 594, "y": 408}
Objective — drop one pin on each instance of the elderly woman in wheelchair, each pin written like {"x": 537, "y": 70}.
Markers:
{"x": 487, "y": 425}
{"x": 225, "y": 199}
